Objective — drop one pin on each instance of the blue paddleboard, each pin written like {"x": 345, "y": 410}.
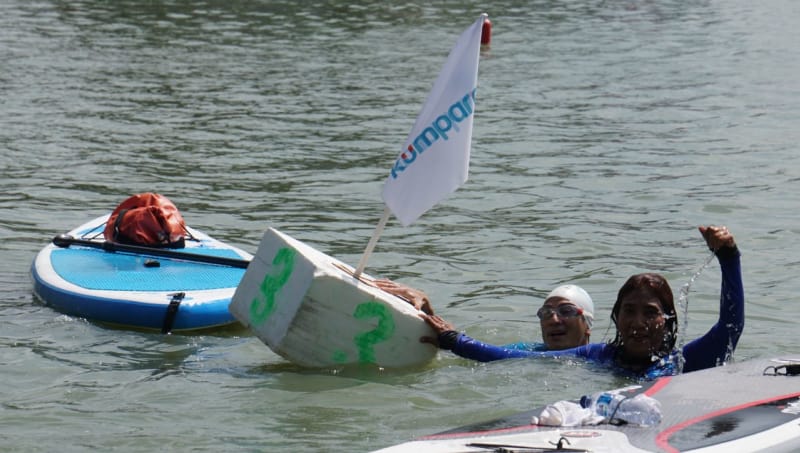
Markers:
{"x": 139, "y": 289}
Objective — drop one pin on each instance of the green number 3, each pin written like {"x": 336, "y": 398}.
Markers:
{"x": 264, "y": 304}
{"x": 382, "y": 332}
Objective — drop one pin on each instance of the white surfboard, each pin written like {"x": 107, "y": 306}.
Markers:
{"x": 740, "y": 407}
{"x": 309, "y": 308}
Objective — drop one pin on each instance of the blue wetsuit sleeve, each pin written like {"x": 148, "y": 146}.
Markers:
{"x": 716, "y": 346}
{"x": 526, "y": 346}
{"x": 470, "y": 348}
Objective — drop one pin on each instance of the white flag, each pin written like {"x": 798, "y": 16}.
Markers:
{"x": 434, "y": 161}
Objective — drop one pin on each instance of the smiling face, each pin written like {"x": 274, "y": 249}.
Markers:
{"x": 641, "y": 325}
{"x": 562, "y": 331}
{"x": 645, "y": 318}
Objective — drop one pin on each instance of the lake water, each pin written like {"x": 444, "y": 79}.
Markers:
{"x": 605, "y": 133}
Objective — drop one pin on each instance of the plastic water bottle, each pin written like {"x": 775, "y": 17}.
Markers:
{"x": 639, "y": 410}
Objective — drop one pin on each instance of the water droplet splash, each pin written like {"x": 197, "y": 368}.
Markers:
{"x": 683, "y": 308}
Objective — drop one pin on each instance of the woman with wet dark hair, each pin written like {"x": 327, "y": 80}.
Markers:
{"x": 647, "y": 326}
{"x": 646, "y": 321}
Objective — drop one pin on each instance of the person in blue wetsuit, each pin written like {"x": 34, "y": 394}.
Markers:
{"x": 646, "y": 321}
{"x": 565, "y": 317}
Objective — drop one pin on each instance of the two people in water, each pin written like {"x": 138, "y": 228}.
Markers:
{"x": 644, "y": 315}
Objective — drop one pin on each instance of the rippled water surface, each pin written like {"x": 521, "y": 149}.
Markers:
{"x": 605, "y": 132}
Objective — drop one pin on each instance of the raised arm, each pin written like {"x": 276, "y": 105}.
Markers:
{"x": 717, "y": 345}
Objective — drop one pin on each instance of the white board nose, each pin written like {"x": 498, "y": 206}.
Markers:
{"x": 307, "y": 307}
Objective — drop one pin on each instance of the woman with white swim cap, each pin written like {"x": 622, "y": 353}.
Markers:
{"x": 565, "y": 317}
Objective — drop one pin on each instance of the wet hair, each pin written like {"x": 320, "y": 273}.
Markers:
{"x": 655, "y": 285}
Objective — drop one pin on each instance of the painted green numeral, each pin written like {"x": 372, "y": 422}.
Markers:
{"x": 382, "y": 332}
{"x": 264, "y": 303}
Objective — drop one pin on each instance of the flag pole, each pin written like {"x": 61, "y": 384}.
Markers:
{"x": 418, "y": 181}
{"x": 374, "y": 240}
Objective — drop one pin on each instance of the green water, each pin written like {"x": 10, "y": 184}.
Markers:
{"x": 605, "y": 132}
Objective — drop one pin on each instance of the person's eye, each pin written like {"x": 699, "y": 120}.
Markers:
{"x": 566, "y": 310}
{"x": 652, "y": 313}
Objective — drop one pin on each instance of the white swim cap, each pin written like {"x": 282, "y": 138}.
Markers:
{"x": 577, "y": 296}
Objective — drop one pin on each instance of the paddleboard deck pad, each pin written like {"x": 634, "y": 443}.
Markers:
{"x": 309, "y": 308}
{"x": 740, "y": 407}
{"x": 138, "y": 290}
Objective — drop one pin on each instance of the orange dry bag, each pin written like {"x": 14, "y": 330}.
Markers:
{"x": 146, "y": 219}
